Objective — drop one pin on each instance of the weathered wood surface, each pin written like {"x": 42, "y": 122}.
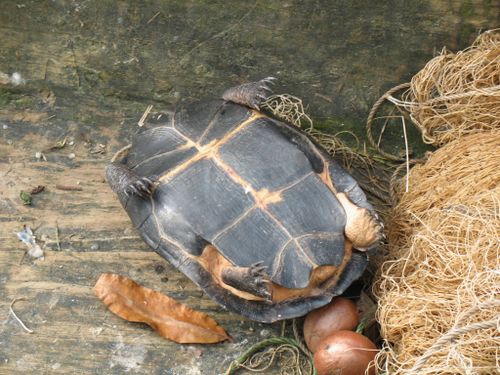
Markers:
{"x": 337, "y": 55}
{"x": 91, "y": 69}
{"x": 84, "y": 233}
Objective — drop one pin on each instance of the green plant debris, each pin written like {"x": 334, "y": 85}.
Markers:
{"x": 26, "y": 197}
{"x": 60, "y": 144}
{"x": 361, "y": 326}
{"x": 270, "y": 347}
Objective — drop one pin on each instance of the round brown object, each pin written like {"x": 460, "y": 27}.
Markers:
{"x": 346, "y": 353}
{"x": 340, "y": 314}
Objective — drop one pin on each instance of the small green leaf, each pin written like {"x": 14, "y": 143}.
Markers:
{"x": 60, "y": 144}
{"x": 26, "y": 197}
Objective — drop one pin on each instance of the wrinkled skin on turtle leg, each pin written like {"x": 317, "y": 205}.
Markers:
{"x": 363, "y": 228}
{"x": 126, "y": 182}
{"x": 249, "y": 94}
{"x": 253, "y": 279}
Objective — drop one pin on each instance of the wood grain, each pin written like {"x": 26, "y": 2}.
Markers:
{"x": 83, "y": 234}
{"x": 91, "y": 69}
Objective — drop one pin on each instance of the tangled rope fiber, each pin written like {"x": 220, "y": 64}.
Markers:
{"x": 439, "y": 287}
{"x": 289, "y": 108}
{"x": 457, "y": 94}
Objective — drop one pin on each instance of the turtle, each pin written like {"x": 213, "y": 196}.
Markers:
{"x": 250, "y": 208}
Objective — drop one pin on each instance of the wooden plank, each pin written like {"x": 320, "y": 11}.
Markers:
{"x": 75, "y": 333}
{"x": 85, "y": 233}
{"x": 91, "y": 69}
{"x": 339, "y": 56}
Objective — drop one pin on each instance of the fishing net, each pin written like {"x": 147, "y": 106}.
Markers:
{"x": 439, "y": 287}
{"x": 457, "y": 94}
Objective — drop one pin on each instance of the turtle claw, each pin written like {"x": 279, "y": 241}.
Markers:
{"x": 270, "y": 80}
{"x": 261, "y": 90}
{"x": 376, "y": 228}
{"x": 264, "y": 84}
{"x": 257, "y": 264}
{"x": 257, "y": 270}
{"x": 252, "y": 279}
{"x": 250, "y": 94}
{"x": 260, "y": 280}
{"x": 382, "y": 237}
{"x": 142, "y": 187}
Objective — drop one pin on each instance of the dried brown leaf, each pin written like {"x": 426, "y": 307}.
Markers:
{"x": 169, "y": 318}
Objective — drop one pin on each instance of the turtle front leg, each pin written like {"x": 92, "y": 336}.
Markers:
{"x": 250, "y": 94}
{"x": 363, "y": 227}
{"x": 253, "y": 279}
{"x": 125, "y": 182}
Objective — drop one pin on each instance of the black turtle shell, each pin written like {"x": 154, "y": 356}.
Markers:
{"x": 228, "y": 177}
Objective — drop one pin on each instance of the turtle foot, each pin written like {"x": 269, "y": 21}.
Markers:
{"x": 363, "y": 228}
{"x": 142, "y": 186}
{"x": 125, "y": 182}
{"x": 253, "y": 279}
{"x": 250, "y": 94}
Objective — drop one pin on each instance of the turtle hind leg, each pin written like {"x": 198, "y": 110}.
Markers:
{"x": 125, "y": 182}
{"x": 253, "y": 279}
{"x": 363, "y": 227}
{"x": 249, "y": 94}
